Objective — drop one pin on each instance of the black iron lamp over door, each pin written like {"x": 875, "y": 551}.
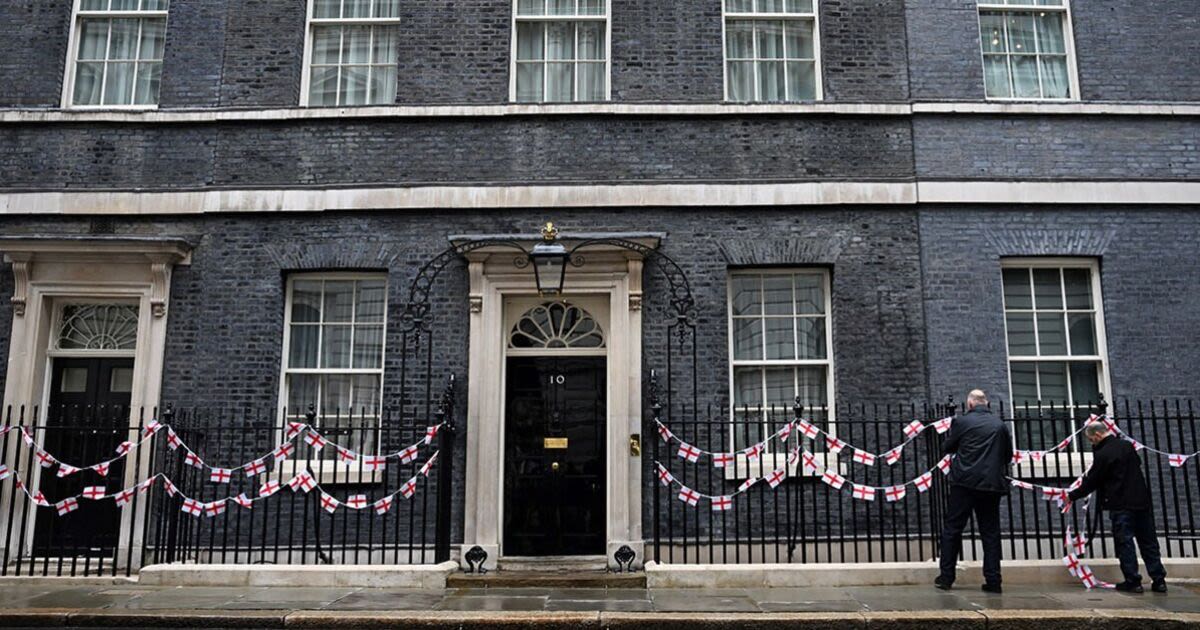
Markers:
{"x": 549, "y": 260}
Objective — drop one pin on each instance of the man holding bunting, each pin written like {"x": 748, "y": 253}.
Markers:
{"x": 983, "y": 450}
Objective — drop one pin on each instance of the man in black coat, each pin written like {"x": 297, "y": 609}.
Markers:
{"x": 983, "y": 450}
{"x": 1116, "y": 473}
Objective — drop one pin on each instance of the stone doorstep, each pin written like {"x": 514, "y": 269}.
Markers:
{"x": 881, "y": 574}
{"x": 366, "y": 576}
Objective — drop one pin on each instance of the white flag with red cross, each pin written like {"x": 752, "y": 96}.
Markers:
{"x": 1072, "y": 563}
{"x": 1052, "y": 494}
{"x": 777, "y": 476}
{"x": 46, "y": 460}
{"x": 346, "y": 456}
{"x": 833, "y": 444}
{"x": 688, "y": 452}
{"x": 688, "y": 496}
{"x": 428, "y": 466}
{"x": 833, "y": 479}
{"x": 864, "y": 458}
{"x": 721, "y": 460}
{"x": 172, "y": 439}
{"x": 808, "y": 429}
{"x": 66, "y": 470}
{"x": 315, "y": 440}
{"x": 409, "y": 488}
{"x": 244, "y": 501}
{"x": 374, "y": 462}
{"x": 4, "y": 472}
{"x": 27, "y": 435}
{"x": 215, "y": 508}
{"x": 894, "y": 493}
{"x": 431, "y": 433}
{"x": 356, "y": 502}
{"x": 329, "y": 503}
{"x": 169, "y": 487}
{"x": 123, "y": 448}
{"x": 101, "y": 469}
{"x": 863, "y": 493}
{"x": 145, "y": 486}
{"x": 1063, "y": 444}
{"x": 664, "y": 432}
{"x": 924, "y": 482}
{"x": 1110, "y": 425}
{"x": 1018, "y": 457}
{"x": 269, "y": 488}
{"x": 383, "y": 505}
{"x": 66, "y": 506}
{"x": 664, "y": 476}
{"x": 221, "y": 475}
{"x": 1079, "y": 544}
{"x": 283, "y": 451}
{"x": 1087, "y": 577}
{"x": 124, "y": 497}
{"x": 1024, "y": 485}
{"x": 38, "y": 497}
{"x": 786, "y": 432}
{"x": 893, "y": 456}
{"x": 192, "y": 507}
{"x": 1075, "y": 484}
{"x": 793, "y": 457}
{"x": 943, "y": 425}
{"x": 293, "y": 429}
{"x": 1035, "y": 456}
{"x": 193, "y": 460}
{"x": 151, "y": 428}
{"x": 1177, "y": 461}
{"x": 810, "y": 462}
{"x": 754, "y": 452}
{"x": 409, "y": 454}
{"x": 256, "y": 467}
{"x": 1137, "y": 446}
{"x": 303, "y": 482}
{"x": 94, "y": 493}
{"x": 913, "y": 429}
{"x": 721, "y": 504}
{"x": 747, "y": 484}
{"x": 944, "y": 464}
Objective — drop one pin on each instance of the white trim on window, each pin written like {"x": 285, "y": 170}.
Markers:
{"x": 814, "y": 16}
{"x": 605, "y": 18}
{"x": 306, "y": 72}
{"x": 73, "y": 42}
{"x": 1068, "y": 41}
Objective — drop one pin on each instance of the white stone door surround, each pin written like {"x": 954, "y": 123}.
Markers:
{"x": 608, "y": 274}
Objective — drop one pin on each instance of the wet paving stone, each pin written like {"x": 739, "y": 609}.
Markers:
{"x": 492, "y": 602}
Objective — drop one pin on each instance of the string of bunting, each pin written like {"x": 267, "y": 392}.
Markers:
{"x": 301, "y": 482}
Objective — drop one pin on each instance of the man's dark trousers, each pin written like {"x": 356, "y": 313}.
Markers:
{"x": 1128, "y": 525}
{"x": 986, "y": 506}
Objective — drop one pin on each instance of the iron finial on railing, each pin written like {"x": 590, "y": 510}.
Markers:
{"x": 168, "y": 413}
{"x": 655, "y": 402}
{"x": 797, "y": 408}
{"x": 1102, "y": 406}
{"x": 311, "y": 414}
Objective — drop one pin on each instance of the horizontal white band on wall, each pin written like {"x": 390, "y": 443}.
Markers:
{"x": 152, "y": 115}
{"x": 603, "y": 196}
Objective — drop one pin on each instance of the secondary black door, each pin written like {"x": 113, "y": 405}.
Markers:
{"x": 554, "y": 456}
{"x": 87, "y": 420}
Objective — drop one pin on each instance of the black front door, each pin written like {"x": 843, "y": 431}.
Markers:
{"x": 554, "y": 456}
{"x": 86, "y": 421}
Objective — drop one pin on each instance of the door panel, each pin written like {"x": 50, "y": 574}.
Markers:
{"x": 555, "y": 421}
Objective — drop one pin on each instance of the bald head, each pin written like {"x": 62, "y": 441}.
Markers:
{"x": 976, "y": 399}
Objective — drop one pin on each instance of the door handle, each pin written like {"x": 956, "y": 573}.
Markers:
{"x": 554, "y": 466}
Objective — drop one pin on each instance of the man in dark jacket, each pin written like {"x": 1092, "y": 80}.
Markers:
{"x": 1116, "y": 473}
{"x": 983, "y": 451}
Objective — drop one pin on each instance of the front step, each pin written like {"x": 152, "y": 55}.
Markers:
{"x": 546, "y": 579}
{"x": 556, "y": 564}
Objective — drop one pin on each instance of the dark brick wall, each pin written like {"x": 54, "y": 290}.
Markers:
{"x": 864, "y": 50}
{"x": 512, "y": 150}
{"x": 943, "y": 50}
{"x": 1050, "y": 147}
{"x": 667, "y": 51}
{"x": 193, "y": 60}
{"x": 264, "y": 53}
{"x": 454, "y": 52}
{"x": 33, "y": 41}
{"x": 1138, "y": 51}
{"x": 6, "y": 315}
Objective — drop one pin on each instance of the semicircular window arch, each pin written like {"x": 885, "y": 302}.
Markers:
{"x": 556, "y": 325}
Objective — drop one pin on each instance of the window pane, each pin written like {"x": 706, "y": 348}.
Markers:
{"x": 991, "y": 30}
{"x": 591, "y": 82}
{"x": 798, "y": 40}
{"x": 1020, "y": 335}
{"x": 149, "y": 76}
{"x": 385, "y": 45}
{"x": 529, "y": 82}
{"x": 335, "y": 347}
{"x": 303, "y": 351}
{"x": 1024, "y": 384}
{"x": 93, "y": 39}
{"x": 1050, "y": 33}
{"x": 799, "y": 6}
{"x": 383, "y": 85}
{"x": 591, "y": 40}
{"x": 153, "y": 38}
{"x": 1017, "y": 293}
{"x": 529, "y": 40}
{"x": 356, "y": 44}
{"x": 123, "y": 39}
{"x": 781, "y": 387}
{"x": 1020, "y": 33}
{"x": 739, "y": 39}
{"x": 802, "y": 81}
{"x": 1051, "y": 334}
{"x": 1078, "y": 284}
{"x": 559, "y": 82}
{"x": 339, "y": 300}
{"x": 770, "y": 39}
{"x": 302, "y": 392}
{"x": 741, "y": 81}
{"x": 93, "y": 5}
{"x": 781, "y": 342}
{"x": 322, "y": 89}
{"x": 995, "y": 76}
{"x": 810, "y": 294}
{"x": 118, "y": 86}
{"x": 354, "y": 85}
{"x": 770, "y": 6}
{"x": 1053, "y": 378}
{"x": 747, "y": 339}
{"x": 591, "y": 7}
{"x": 739, "y": 6}
{"x": 326, "y": 8}
{"x": 306, "y": 301}
{"x": 356, "y": 8}
{"x": 811, "y": 332}
{"x": 560, "y": 40}
{"x": 746, "y": 297}
{"x": 368, "y": 347}
{"x": 770, "y": 81}
{"x": 124, "y": 5}
{"x": 327, "y": 44}
{"x": 1085, "y": 383}
{"x": 1025, "y": 76}
{"x": 387, "y": 8}
{"x": 1055, "y": 82}
{"x": 365, "y": 396}
{"x": 372, "y": 298}
{"x": 88, "y": 78}
{"x": 335, "y": 395}
{"x": 812, "y": 391}
{"x": 1047, "y": 288}
{"x": 560, "y": 7}
{"x": 747, "y": 387}
{"x": 777, "y": 294}
{"x": 1083, "y": 334}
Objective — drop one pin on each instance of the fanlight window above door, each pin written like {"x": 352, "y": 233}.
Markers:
{"x": 556, "y": 325}
{"x": 98, "y": 327}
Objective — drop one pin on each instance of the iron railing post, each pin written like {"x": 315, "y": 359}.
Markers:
{"x": 445, "y": 490}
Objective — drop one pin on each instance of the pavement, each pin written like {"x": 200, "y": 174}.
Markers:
{"x": 48, "y": 603}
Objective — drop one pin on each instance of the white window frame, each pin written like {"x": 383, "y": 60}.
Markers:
{"x": 306, "y": 73}
{"x": 815, "y": 16}
{"x": 77, "y": 17}
{"x": 328, "y": 470}
{"x": 1068, "y": 41}
{"x": 1055, "y": 464}
{"x": 743, "y": 468}
{"x": 606, "y": 18}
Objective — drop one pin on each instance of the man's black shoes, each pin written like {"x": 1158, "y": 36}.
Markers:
{"x": 1159, "y": 586}
{"x": 942, "y": 585}
{"x": 991, "y": 588}
{"x": 1131, "y": 587}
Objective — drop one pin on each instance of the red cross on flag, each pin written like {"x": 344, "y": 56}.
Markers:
{"x": 808, "y": 429}
{"x": 721, "y": 460}
{"x": 346, "y": 455}
{"x": 721, "y": 504}
{"x": 220, "y": 475}
{"x": 752, "y": 453}
{"x": 283, "y": 451}
{"x": 944, "y": 465}
{"x": 329, "y": 503}
{"x": 374, "y": 462}
{"x": 38, "y": 497}
{"x": 95, "y": 493}
{"x": 216, "y": 508}
{"x": 269, "y": 488}
{"x": 1035, "y": 455}
{"x": 383, "y": 505}
{"x": 192, "y": 507}
{"x": 1137, "y": 446}
{"x": 172, "y": 439}
{"x": 45, "y": 459}
{"x": 124, "y": 497}
{"x": 1018, "y": 457}
{"x": 256, "y": 467}
{"x": 924, "y": 482}
{"x": 786, "y": 431}
{"x": 303, "y": 482}
{"x": 1050, "y": 494}
{"x": 101, "y": 469}
{"x": 864, "y": 493}
{"x": 409, "y": 488}
{"x": 145, "y": 486}
{"x": 1176, "y": 460}
{"x": 664, "y": 476}
{"x": 688, "y": 496}
{"x": 894, "y": 493}
{"x": 746, "y": 485}
{"x": 431, "y": 433}
{"x": 833, "y": 479}
{"x": 357, "y": 502}
{"x": 943, "y": 425}
{"x": 893, "y": 456}
{"x": 314, "y": 439}
{"x": 66, "y": 506}
{"x": 1075, "y": 484}
{"x": 1079, "y": 543}
{"x": 123, "y": 448}
{"x": 428, "y": 466}
{"x": 1110, "y": 425}
{"x": 1087, "y": 577}
{"x": 834, "y": 445}
{"x": 1063, "y": 444}
{"x": 4, "y": 472}
{"x": 27, "y": 435}
{"x": 151, "y": 428}
{"x": 793, "y": 457}
{"x": 664, "y": 432}
{"x": 913, "y": 429}
{"x": 688, "y": 452}
{"x": 169, "y": 487}
{"x": 293, "y": 429}
{"x": 810, "y": 462}
{"x": 864, "y": 458}
{"x": 409, "y": 454}
{"x": 777, "y": 476}
{"x": 192, "y": 459}
{"x": 66, "y": 470}
{"x": 1024, "y": 485}
{"x": 1072, "y": 563}
{"x": 244, "y": 501}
